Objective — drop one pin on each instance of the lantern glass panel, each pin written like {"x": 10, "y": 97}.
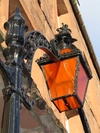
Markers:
{"x": 60, "y": 77}
{"x": 65, "y": 104}
{"x": 60, "y": 105}
{"x": 73, "y": 102}
{"x": 82, "y": 83}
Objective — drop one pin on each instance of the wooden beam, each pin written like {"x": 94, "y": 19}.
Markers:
{"x": 62, "y": 9}
{"x": 37, "y": 17}
{"x": 49, "y": 9}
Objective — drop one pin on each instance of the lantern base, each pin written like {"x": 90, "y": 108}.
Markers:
{"x": 67, "y": 103}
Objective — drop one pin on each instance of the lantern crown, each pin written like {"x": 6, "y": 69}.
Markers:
{"x": 64, "y": 37}
{"x": 15, "y": 17}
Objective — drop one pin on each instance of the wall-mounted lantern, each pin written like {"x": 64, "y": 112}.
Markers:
{"x": 67, "y": 79}
{"x": 66, "y": 70}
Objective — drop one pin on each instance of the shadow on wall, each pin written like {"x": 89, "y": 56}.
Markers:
{"x": 71, "y": 113}
{"x": 41, "y": 118}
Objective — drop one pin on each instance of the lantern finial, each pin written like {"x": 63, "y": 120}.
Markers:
{"x": 64, "y": 29}
{"x": 64, "y": 37}
{"x": 17, "y": 10}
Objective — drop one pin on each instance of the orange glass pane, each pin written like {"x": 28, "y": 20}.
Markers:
{"x": 82, "y": 83}
{"x": 67, "y": 50}
{"x": 73, "y": 102}
{"x": 60, "y": 105}
{"x": 60, "y": 77}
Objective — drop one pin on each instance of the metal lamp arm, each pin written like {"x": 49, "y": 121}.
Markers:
{"x": 35, "y": 40}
